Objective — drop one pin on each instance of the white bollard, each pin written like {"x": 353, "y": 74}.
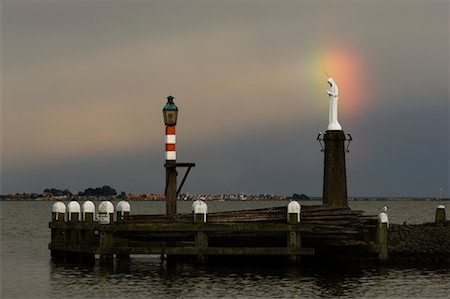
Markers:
{"x": 440, "y": 217}
{"x": 195, "y": 203}
{"x": 88, "y": 208}
{"x": 105, "y": 212}
{"x": 293, "y": 212}
{"x": 123, "y": 209}
{"x": 382, "y": 235}
{"x": 58, "y": 210}
{"x": 383, "y": 218}
{"x": 200, "y": 208}
{"x": 73, "y": 209}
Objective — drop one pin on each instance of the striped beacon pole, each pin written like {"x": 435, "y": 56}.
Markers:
{"x": 170, "y": 113}
{"x": 171, "y": 141}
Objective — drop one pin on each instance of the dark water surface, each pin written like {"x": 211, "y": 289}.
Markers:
{"x": 28, "y": 272}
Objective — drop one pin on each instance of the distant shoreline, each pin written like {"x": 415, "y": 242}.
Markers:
{"x": 82, "y": 198}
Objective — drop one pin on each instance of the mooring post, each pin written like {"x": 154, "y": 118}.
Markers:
{"x": 105, "y": 218}
{"x": 58, "y": 211}
{"x": 123, "y": 211}
{"x": 73, "y": 233}
{"x": 294, "y": 211}
{"x": 88, "y": 211}
{"x": 170, "y": 114}
{"x": 382, "y": 237}
{"x": 293, "y": 236}
{"x": 200, "y": 210}
{"x": 106, "y": 242}
{"x": 440, "y": 218}
{"x": 105, "y": 212}
{"x": 87, "y": 236}
{"x": 57, "y": 232}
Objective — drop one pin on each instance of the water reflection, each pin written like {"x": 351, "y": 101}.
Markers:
{"x": 150, "y": 277}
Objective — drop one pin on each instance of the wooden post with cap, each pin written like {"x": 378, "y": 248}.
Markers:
{"x": 170, "y": 113}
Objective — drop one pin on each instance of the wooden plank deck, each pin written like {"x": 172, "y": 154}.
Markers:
{"x": 250, "y": 232}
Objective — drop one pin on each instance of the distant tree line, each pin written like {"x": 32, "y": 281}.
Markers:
{"x": 99, "y": 191}
{"x": 57, "y": 192}
{"x": 300, "y": 196}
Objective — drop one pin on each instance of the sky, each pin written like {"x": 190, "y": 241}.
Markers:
{"x": 83, "y": 84}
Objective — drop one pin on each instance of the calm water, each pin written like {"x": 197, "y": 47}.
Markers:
{"x": 27, "y": 271}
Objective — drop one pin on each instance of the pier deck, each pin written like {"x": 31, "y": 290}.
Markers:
{"x": 261, "y": 232}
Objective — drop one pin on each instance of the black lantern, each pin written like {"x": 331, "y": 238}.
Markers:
{"x": 170, "y": 112}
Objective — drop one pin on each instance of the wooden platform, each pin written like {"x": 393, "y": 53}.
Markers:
{"x": 261, "y": 232}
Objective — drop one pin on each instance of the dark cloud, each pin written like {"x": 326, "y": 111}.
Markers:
{"x": 84, "y": 83}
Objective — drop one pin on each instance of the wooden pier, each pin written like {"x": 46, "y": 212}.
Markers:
{"x": 329, "y": 231}
{"x": 318, "y": 230}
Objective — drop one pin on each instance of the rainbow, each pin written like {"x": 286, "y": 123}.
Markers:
{"x": 346, "y": 66}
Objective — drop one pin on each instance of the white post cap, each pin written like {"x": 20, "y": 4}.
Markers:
{"x": 88, "y": 207}
{"x": 294, "y": 208}
{"x": 200, "y": 207}
{"x": 196, "y": 203}
{"x": 383, "y": 218}
{"x": 441, "y": 207}
{"x": 123, "y": 206}
{"x": 73, "y": 207}
{"x": 106, "y": 207}
{"x": 58, "y": 207}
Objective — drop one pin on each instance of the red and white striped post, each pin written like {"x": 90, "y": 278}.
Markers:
{"x": 171, "y": 141}
{"x": 170, "y": 113}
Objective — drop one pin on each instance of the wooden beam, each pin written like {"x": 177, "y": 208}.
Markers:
{"x": 205, "y": 227}
{"x": 216, "y": 250}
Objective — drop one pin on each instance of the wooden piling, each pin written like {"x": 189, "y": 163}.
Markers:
{"x": 294, "y": 244}
{"x": 105, "y": 246}
{"x": 123, "y": 210}
{"x": 87, "y": 237}
{"x": 201, "y": 239}
{"x": 57, "y": 236}
{"x": 293, "y": 236}
{"x": 72, "y": 236}
{"x": 440, "y": 218}
{"x": 382, "y": 238}
{"x": 171, "y": 188}
{"x": 120, "y": 215}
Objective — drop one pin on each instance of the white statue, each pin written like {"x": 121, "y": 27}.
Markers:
{"x": 333, "y": 92}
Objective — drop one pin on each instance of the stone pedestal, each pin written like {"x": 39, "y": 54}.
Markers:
{"x": 334, "y": 176}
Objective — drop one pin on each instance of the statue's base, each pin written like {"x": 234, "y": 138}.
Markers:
{"x": 334, "y": 176}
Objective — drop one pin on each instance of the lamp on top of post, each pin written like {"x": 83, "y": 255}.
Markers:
{"x": 170, "y": 112}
